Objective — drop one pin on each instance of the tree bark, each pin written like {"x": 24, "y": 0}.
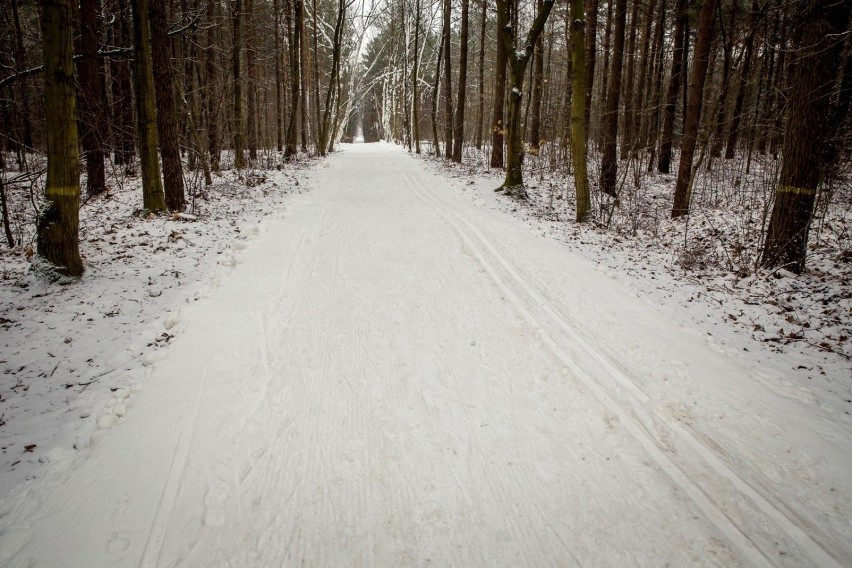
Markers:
{"x": 628, "y": 133}
{"x": 681, "y": 17}
{"x": 591, "y": 56}
{"x": 578, "y": 112}
{"x": 480, "y": 115}
{"x": 501, "y": 63}
{"x": 819, "y": 41}
{"x": 92, "y": 97}
{"x": 683, "y": 185}
{"x": 458, "y": 128}
{"x": 251, "y": 80}
{"x": 295, "y": 88}
{"x": 436, "y": 141}
{"x": 727, "y": 36}
{"x": 124, "y": 145}
{"x": 643, "y": 86}
{"x": 745, "y": 75}
{"x": 415, "y": 75}
{"x": 326, "y": 131}
{"x": 58, "y": 219}
{"x": 609, "y": 133}
{"x": 303, "y": 84}
{"x": 537, "y": 92}
{"x": 651, "y": 120}
{"x": 279, "y": 105}
{"x": 237, "y": 78}
{"x": 211, "y": 78}
{"x": 153, "y": 198}
{"x": 448, "y": 80}
{"x": 513, "y": 185}
{"x": 167, "y": 122}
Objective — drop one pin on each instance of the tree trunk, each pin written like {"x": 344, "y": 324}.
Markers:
{"x": 58, "y": 219}
{"x": 683, "y": 185}
{"x": 295, "y": 88}
{"x": 480, "y": 115}
{"x": 766, "y": 119}
{"x": 727, "y": 36}
{"x": 167, "y": 123}
{"x": 591, "y": 56}
{"x": 436, "y": 141}
{"x": 406, "y": 103}
{"x": 23, "y": 85}
{"x": 628, "y": 133}
{"x": 537, "y": 92}
{"x": 609, "y": 133}
{"x": 651, "y": 120}
{"x": 500, "y": 67}
{"x": 325, "y": 132}
{"x": 415, "y": 72}
{"x": 643, "y": 86}
{"x": 513, "y": 185}
{"x": 448, "y": 80}
{"x": 316, "y": 81}
{"x": 458, "y": 129}
{"x": 781, "y": 91}
{"x": 123, "y": 129}
{"x": 607, "y": 43}
{"x": 153, "y": 198}
{"x": 303, "y": 84}
{"x": 211, "y": 79}
{"x": 237, "y": 78}
{"x": 839, "y": 121}
{"x": 745, "y": 75}
{"x": 578, "y": 112}
{"x": 681, "y": 17}
{"x": 4, "y": 210}
{"x": 92, "y": 97}
{"x": 819, "y": 41}
{"x": 251, "y": 80}
{"x": 279, "y": 105}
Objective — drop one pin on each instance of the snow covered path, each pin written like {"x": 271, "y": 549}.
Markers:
{"x": 393, "y": 376}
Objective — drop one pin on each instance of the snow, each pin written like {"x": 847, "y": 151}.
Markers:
{"x": 66, "y": 349}
{"x": 399, "y": 369}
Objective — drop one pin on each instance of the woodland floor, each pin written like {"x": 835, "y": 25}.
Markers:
{"x": 400, "y": 367}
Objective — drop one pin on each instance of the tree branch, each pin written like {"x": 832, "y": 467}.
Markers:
{"x": 36, "y": 70}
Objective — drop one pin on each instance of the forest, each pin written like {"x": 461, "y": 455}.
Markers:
{"x": 734, "y": 105}
{"x": 425, "y": 282}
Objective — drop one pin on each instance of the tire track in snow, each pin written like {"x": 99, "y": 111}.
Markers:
{"x": 632, "y": 405}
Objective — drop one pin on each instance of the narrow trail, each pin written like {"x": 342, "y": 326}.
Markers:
{"x": 394, "y": 376}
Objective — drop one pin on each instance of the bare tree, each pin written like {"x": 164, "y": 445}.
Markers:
{"x": 609, "y": 133}
{"x": 513, "y": 185}
{"x": 448, "y": 79}
{"x": 58, "y": 221}
{"x": 818, "y": 38}
{"x": 167, "y": 122}
{"x": 683, "y": 185}
{"x": 92, "y": 97}
{"x": 153, "y": 198}
{"x": 578, "y": 111}
{"x": 458, "y": 128}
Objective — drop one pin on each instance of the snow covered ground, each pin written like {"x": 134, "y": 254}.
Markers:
{"x": 68, "y": 354}
{"x": 395, "y": 368}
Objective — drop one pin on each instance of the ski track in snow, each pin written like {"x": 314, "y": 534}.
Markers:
{"x": 393, "y": 376}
